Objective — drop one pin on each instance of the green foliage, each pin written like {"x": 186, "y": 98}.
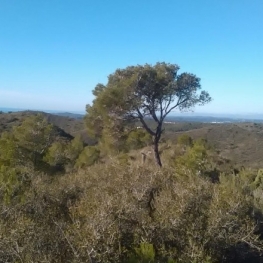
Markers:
{"x": 185, "y": 140}
{"x": 195, "y": 158}
{"x": 9, "y": 154}
{"x": 56, "y": 155}
{"x": 74, "y": 149}
{"x": 35, "y": 144}
{"x": 138, "y": 93}
{"x": 123, "y": 159}
{"x": 259, "y": 178}
{"x": 34, "y": 136}
{"x": 143, "y": 254}
{"x": 112, "y": 142}
{"x": 146, "y": 252}
{"x": 138, "y": 138}
{"x": 14, "y": 182}
{"x": 88, "y": 157}
{"x": 21, "y": 153}
{"x": 27, "y": 143}
{"x": 64, "y": 155}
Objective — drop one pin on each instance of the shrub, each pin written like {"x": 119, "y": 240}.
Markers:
{"x": 88, "y": 157}
{"x": 131, "y": 213}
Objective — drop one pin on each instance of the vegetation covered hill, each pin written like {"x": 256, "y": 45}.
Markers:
{"x": 71, "y": 126}
{"x": 241, "y": 143}
{"x": 62, "y": 201}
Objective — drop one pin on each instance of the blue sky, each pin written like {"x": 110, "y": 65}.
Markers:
{"x": 53, "y": 53}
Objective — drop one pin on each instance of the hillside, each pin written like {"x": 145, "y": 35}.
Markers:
{"x": 70, "y": 125}
{"x": 61, "y": 200}
{"x": 241, "y": 143}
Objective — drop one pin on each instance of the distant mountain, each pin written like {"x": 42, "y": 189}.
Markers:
{"x": 70, "y": 115}
{"x": 59, "y": 113}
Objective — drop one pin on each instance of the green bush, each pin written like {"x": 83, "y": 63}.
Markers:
{"x": 185, "y": 140}
{"x": 88, "y": 157}
{"x": 195, "y": 159}
{"x": 138, "y": 138}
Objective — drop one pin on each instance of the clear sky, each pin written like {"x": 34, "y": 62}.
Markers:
{"x": 54, "y": 52}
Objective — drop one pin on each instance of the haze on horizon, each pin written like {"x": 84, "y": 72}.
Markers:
{"x": 54, "y": 53}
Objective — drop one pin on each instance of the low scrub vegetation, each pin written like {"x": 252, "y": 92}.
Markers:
{"x": 63, "y": 201}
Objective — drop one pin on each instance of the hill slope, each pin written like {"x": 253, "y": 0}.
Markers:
{"x": 242, "y": 143}
{"x": 70, "y": 126}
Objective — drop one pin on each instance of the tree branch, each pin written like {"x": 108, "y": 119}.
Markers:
{"x": 154, "y": 116}
{"x": 175, "y": 106}
{"x": 145, "y": 126}
{"x": 161, "y": 110}
{"x": 151, "y": 112}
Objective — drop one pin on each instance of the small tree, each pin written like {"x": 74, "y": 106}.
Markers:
{"x": 35, "y": 135}
{"x": 27, "y": 143}
{"x": 143, "y": 93}
{"x": 55, "y": 155}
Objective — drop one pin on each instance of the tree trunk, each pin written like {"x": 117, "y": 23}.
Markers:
{"x": 156, "y": 153}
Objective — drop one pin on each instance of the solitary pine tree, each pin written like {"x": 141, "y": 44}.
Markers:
{"x": 141, "y": 93}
